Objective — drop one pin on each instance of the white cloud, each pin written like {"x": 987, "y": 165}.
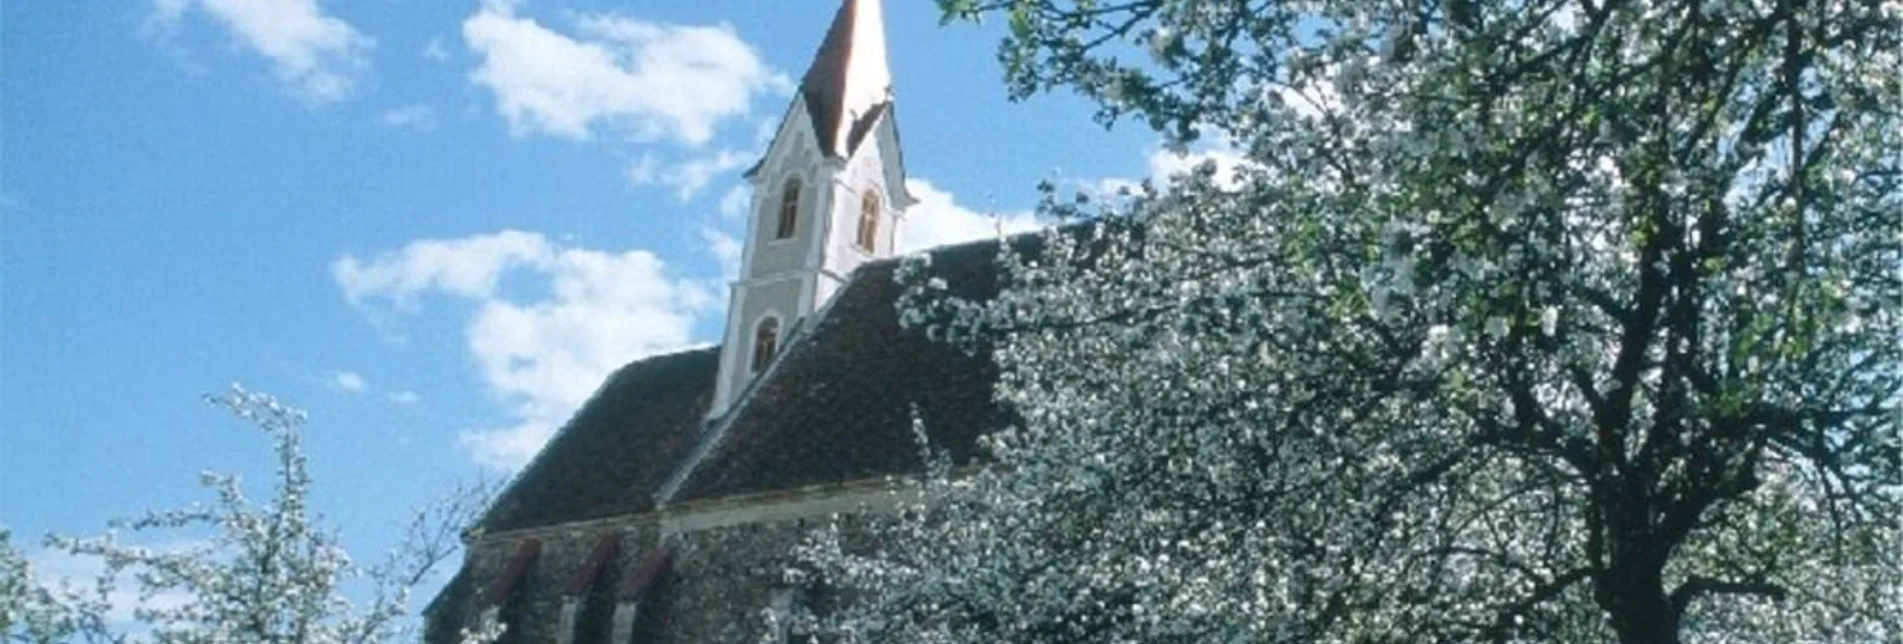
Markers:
{"x": 688, "y": 177}
{"x": 651, "y": 80}
{"x": 733, "y": 204}
{"x": 405, "y": 397}
{"x": 645, "y": 170}
{"x": 542, "y": 355}
{"x": 350, "y": 381}
{"x": 469, "y": 268}
{"x": 1313, "y": 98}
{"x": 435, "y": 51}
{"x": 937, "y": 219}
{"x": 316, "y": 56}
{"x": 723, "y": 245}
{"x": 1162, "y": 163}
{"x": 726, "y": 249}
{"x": 412, "y": 117}
{"x": 1165, "y": 163}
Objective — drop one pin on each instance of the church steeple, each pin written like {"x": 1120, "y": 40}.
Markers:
{"x": 849, "y": 80}
{"x": 828, "y": 195}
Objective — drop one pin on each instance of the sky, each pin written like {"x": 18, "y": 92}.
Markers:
{"x": 435, "y": 225}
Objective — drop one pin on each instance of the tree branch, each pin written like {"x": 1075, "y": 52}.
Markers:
{"x": 1699, "y": 585}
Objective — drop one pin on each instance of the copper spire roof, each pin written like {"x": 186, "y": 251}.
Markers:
{"x": 849, "y": 83}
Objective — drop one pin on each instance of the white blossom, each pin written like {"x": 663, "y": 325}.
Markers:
{"x": 1532, "y": 339}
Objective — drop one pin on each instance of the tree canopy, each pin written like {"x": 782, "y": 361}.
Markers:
{"x": 1541, "y": 320}
{"x": 263, "y": 572}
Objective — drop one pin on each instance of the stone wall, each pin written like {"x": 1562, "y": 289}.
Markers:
{"x": 725, "y": 567}
{"x": 725, "y": 580}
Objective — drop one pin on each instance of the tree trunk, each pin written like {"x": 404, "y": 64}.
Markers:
{"x": 1632, "y": 592}
{"x": 1645, "y": 617}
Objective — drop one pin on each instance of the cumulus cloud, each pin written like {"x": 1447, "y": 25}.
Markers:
{"x": 938, "y": 219}
{"x": 409, "y": 117}
{"x": 733, "y": 204}
{"x": 434, "y": 51}
{"x": 689, "y": 176}
{"x": 725, "y": 248}
{"x": 651, "y": 80}
{"x": 541, "y": 353}
{"x": 1314, "y": 98}
{"x": 314, "y": 55}
{"x": 350, "y": 381}
{"x": 1163, "y": 163}
{"x": 469, "y": 267}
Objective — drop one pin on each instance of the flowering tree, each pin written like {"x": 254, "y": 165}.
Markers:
{"x": 1540, "y": 320}
{"x": 265, "y": 573}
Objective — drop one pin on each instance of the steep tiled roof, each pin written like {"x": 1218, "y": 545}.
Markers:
{"x": 836, "y": 408}
{"x": 611, "y": 456}
{"x": 839, "y": 405}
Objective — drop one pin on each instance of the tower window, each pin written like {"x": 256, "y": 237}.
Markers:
{"x": 869, "y": 220}
{"x": 766, "y": 340}
{"x": 789, "y": 209}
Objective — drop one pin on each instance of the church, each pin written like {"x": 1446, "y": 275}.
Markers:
{"x": 668, "y": 507}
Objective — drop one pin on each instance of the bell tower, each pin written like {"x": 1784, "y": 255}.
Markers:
{"x": 828, "y": 195}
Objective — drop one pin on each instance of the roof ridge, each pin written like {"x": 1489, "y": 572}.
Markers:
{"x": 932, "y": 252}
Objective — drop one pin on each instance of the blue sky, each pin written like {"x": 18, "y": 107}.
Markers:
{"x": 433, "y": 224}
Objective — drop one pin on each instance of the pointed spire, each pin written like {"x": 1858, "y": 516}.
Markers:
{"x": 849, "y": 82}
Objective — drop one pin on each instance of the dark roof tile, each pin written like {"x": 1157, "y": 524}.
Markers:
{"x": 839, "y": 406}
{"x": 618, "y": 448}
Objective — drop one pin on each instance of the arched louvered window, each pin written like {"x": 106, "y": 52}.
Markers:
{"x": 869, "y": 220}
{"x": 789, "y": 209}
{"x": 766, "y": 341}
